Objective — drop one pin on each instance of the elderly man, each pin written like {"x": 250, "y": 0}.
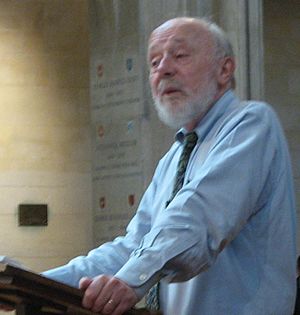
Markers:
{"x": 219, "y": 237}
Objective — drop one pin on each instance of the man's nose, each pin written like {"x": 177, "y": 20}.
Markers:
{"x": 166, "y": 67}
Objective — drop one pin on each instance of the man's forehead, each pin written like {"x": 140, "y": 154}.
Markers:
{"x": 157, "y": 42}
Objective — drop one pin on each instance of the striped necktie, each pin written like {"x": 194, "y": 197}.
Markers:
{"x": 190, "y": 140}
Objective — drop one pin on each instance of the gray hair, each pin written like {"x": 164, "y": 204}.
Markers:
{"x": 223, "y": 47}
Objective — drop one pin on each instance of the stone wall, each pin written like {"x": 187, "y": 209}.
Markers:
{"x": 45, "y": 129}
{"x": 282, "y": 73}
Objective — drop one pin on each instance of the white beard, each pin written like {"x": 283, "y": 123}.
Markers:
{"x": 180, "y": 115}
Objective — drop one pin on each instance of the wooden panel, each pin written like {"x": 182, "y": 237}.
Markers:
{"x": 32, "y": 294}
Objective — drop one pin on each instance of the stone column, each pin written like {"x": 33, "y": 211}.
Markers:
{"x": 242, "y": 20}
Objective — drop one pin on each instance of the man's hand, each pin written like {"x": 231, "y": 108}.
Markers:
{"x": 107, "y": 294}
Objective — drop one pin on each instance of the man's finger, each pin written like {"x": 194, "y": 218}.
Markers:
{"x": 84, "y": 282}
{"x": 122, "y": 297}
{"x": 110, "y": 306}
{"x": 93, "y": 291}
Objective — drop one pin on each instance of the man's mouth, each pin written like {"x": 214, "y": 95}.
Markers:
{"x": 170, "y": 91}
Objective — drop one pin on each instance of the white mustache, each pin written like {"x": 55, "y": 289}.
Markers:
{"x": 168, "y": 84}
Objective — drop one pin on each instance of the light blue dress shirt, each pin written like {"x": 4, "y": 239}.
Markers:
{"x": 225, "y": 245}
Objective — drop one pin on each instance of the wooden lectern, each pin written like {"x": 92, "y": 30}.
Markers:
{"x": 32, "y": 294}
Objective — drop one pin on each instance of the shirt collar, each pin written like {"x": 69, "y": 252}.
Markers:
{"x": 206, "y": 123}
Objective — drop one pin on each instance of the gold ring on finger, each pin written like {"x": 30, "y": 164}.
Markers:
{"x": 111, "y": 302}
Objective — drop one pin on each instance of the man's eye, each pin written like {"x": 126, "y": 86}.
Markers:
{"x": 179, "y": 56}
{"x": 154, "y": 63}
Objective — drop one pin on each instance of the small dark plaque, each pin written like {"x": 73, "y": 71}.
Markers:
{"x": 33, "y": 215}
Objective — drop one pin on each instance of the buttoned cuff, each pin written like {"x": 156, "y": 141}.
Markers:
{"x": 139, "y": 279}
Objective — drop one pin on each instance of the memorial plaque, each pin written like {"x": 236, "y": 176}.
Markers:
{"x": 33, "y": 214}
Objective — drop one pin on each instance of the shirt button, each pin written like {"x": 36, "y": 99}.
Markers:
{"x": 143, "y": 277}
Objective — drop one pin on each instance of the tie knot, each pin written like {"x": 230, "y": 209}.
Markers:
{"x": 191, "y": 138}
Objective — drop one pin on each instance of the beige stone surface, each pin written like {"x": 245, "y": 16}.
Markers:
{"x": 45, "y": 129}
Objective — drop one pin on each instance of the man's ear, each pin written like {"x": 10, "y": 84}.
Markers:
{"x": 226, "y": 71}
